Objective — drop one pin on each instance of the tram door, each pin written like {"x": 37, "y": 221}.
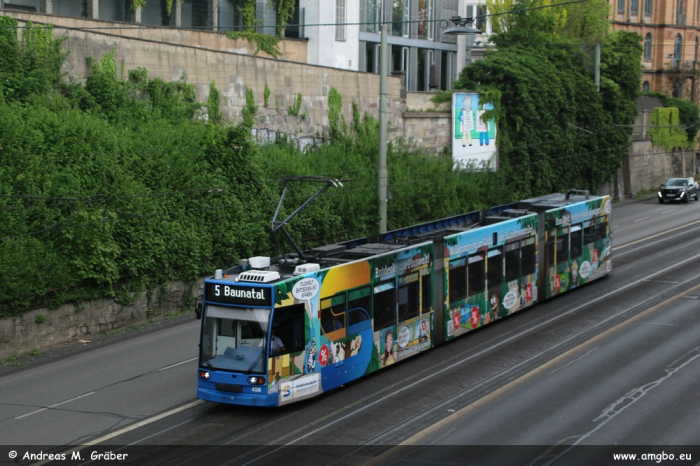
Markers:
{"x": 576, "y": 253}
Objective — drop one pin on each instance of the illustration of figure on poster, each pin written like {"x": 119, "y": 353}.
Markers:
{"x": 466, "y": 121}
{"x": 311, "y": 355}
{"x": 482, "y": 127}
{"x": 389, "y": 352}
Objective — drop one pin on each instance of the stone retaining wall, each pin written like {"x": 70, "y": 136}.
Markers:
{"x": 202, "y": 58}
{"x": 29, "y": 331}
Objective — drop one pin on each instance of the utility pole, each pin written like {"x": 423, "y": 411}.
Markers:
{"x": 382, "y": 173}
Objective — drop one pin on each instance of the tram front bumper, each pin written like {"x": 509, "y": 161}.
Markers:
{"x": 245, "y": 399}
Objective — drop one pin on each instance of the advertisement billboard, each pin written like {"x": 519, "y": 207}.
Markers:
{"x": 473, "y": 139}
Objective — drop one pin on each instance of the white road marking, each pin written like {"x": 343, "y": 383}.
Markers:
{"x": 621, "y": 405}
{"x": 143, "y": 423}
{"x": 571, "y": 362}
{"x": 483, "y": 352}
{"x": 615, "y": 248}
{"x": 661, "y": 323}
{"x": 640, "y": 219}
{"x": 667, "y": 211}
{"x": 129, "y": 428}
{"x": 177, "y": 364}
{"x": 54, "y": 405}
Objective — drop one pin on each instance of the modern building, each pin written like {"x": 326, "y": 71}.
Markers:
{"x": 671, "y": 40}
{"x": 340, "y": 33}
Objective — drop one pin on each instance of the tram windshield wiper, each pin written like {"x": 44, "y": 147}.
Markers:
{"x": 256, "y": 360}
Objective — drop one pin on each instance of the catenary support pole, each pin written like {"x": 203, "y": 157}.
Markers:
{"x": 382, "y": 172}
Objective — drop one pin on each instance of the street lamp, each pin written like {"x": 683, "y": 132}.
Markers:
{"x": 463, "y": 27}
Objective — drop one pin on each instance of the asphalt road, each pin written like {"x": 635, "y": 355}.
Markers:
{"x": 75, "y": 398}
{"x": 619, "y": 353}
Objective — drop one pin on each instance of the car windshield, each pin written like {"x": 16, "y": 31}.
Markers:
{"x": 677, "y": 182}
{"x": 233, "y": 338}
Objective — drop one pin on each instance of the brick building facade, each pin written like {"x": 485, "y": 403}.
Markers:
{"x": 671, "y": 38}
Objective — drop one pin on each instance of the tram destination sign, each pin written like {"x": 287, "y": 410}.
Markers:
{"x": 236, "y": 294}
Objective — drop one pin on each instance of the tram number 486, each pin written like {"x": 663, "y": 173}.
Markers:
{"x": 257, "y": 389}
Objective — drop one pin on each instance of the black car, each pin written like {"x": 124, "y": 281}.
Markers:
{"x": 679, "y": 189}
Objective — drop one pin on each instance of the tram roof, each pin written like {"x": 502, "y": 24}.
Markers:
{"x": 363, "y": 248}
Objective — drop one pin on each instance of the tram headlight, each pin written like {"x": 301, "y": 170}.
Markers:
{"x": 204, "y": 375}
{"x": 255, "y": 380}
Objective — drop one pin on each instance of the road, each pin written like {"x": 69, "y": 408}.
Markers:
{"x": 620, "y": 353}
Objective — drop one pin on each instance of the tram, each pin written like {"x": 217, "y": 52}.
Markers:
{"x": 279, "y": 330}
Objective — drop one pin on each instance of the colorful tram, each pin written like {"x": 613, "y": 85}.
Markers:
{"x": 282, "y": 330}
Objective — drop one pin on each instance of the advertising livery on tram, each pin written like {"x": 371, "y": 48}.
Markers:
{"x": 275, "y": 331}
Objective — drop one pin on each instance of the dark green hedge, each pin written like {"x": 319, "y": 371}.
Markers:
{"x": 115, "y": 186}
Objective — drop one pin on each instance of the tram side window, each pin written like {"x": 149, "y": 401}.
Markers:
{"x": 288, "y": 325}
{"x": 458, "y": 279}
{"x": 512, "y": 262}
{"x": 601, "y": 231}
{"x": 551, "y": 241}
{"x": 529, "y": 258}
{"x": 477, "y": 274}
{"x": 426, "y": 293}
{"x": 589, "y": 235}
{"x": 384, "y": 305}
{"x": 562, "y": 245}
{"x": 409, "y": 300}
{"x": 333, "y": 313}
{"x": 359, "y": 302}
{"x": 495, "y": 268}
{"x": 576, "y": 241}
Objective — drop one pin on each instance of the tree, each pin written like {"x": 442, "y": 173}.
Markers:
{"x": 524, "y": 21}
{"x": 555, "y": 130}
{"x": 587, "y": 21}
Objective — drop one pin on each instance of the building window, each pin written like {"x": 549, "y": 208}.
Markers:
{"x": 339, "y": 19}
{"x": 647, "y": 47}
{"x": 620, "y": 6}
{"x": 481, "y": 13}
{"x": 400, "y": 18}
{"x": 371, "y": 57}
{"x": 647, "y": 7}
{"x": 677, "y": 50}
{"x": 679, "y": 7}
{"x": 646, "y": 86}
{"x": 372, "y": 15}
{"x": 677, "y": 89}
{"x": 634, "y": 8}
{"x": 697, "y": 45}
{"x": 425, "y": 16}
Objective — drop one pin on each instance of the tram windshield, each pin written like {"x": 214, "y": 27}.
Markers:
{"x": 233, "y": 338}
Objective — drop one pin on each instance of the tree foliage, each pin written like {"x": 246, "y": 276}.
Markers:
{"x": 523, "y": 20}
{"x": 586, "y": 21}
{"x": 555, "y": 131}
{"x": 688, "y": 117}
{"x": 111, "y": 187}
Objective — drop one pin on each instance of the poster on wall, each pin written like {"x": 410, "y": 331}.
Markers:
{"x": 473, "y": 139}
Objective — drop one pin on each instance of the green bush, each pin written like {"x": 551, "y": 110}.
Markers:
{"x": 114, "y": 187}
